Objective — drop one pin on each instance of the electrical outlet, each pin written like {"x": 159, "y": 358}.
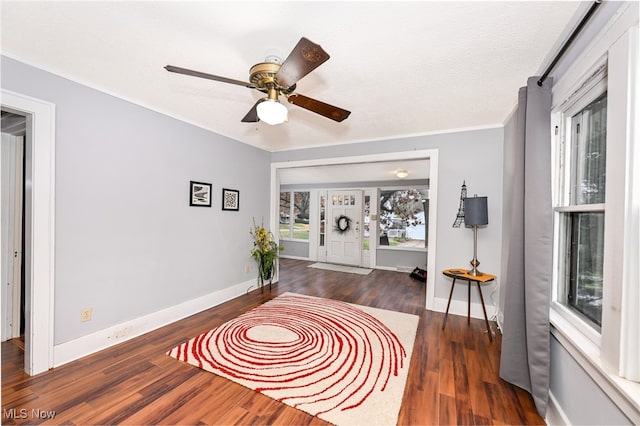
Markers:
{"x": 85, "y": 315}
{"x": 246, "y": 268}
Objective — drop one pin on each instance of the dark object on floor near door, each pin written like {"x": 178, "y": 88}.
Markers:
{"x": 419, "y": 274}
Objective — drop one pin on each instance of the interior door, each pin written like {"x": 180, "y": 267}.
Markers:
{"x": 343, "y": 227}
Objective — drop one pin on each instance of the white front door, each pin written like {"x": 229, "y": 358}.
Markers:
{"x": 343, "y": 227}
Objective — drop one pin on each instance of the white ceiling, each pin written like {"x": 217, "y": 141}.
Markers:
{"x": 401, "y": 68}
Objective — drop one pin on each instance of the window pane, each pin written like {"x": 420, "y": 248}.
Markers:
{"x": 589, "y": 135}
{"x": 401, "y": 218}
{"x": 586, "y": 250}
{"x": 367, "y": 221}
{"x": 301, "y": 215}
{"x": 285, "y": 213}
{"x": 323, "y": 200}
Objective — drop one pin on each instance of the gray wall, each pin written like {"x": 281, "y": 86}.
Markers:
{"x": 127, "y": 242}
{"x": 473, "y": 156}
{"x": 397, "y": 258}
{"x": 295, "y": 249}
{"x": 582, "y": 401}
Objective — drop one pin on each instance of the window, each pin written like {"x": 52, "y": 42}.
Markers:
{"x": 580, "y": 211}
{"x": 585, "y": 247}
{"x": 366, "y": 228}
{"x": 323, "y": 221}
{"x": 285, "y": 215}
{"x": 595, "y": 306}
{"x": 294, "y": 215}
{"x": 402, "y": 218}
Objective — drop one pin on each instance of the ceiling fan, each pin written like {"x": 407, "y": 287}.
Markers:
{"x": 277, "y": 79}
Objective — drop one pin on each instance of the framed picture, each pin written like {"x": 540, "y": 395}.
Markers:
{"x": 230, "y": 199}
{"x": 200, "y": 194}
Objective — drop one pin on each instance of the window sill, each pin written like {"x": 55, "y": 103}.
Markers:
{"x": 624, "y": 393}
{"x": 297, "y": 240}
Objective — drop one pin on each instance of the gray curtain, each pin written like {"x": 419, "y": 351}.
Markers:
{"x": 524, "y": 360}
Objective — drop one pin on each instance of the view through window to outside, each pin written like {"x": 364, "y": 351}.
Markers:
{"x": 584, "y": 244}
{"x": 401, "y": 218}
{"x": 294, "y": 215}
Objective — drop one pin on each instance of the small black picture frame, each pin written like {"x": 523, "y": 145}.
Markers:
{"x": 199, "y": 194}
{"x": 230, "y": 199}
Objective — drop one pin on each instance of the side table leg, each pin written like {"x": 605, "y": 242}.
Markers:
{"x": 486, "y": 320}
{"x": 448, "y": 303}
{"x": 469, "y": 302}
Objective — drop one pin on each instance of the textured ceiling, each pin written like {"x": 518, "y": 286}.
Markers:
{"x": 402, "y": 68}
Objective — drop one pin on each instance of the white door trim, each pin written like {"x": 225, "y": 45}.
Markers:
{"x": 431, "y": 154}
{"x": 40, "y": 227}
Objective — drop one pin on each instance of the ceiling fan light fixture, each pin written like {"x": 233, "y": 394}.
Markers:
{"x": 272, "y": 112}
{"x": 277, "y": 78}
{"x": 401, "y": 174}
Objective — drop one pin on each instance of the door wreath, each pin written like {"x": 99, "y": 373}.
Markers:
{"x": 342, "y": 224}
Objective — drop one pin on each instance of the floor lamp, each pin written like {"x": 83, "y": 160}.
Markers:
{"x": 475, "y": 214}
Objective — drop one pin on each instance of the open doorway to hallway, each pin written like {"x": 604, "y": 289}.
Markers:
{"x": 320, "y": 175}
{"x": 12, "y": 220}
{"x": 38, "y": 232}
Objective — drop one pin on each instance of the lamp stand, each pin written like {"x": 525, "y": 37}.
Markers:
{"x": 474, "y": 262}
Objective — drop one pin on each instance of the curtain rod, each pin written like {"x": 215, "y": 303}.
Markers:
{"x": 569, "y": 40}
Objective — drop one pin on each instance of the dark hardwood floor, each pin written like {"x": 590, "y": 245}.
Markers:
{"x": 453, "y": 374}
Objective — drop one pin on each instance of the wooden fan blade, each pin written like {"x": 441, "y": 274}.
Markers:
{"x": 252, "y": 115}
{"x": 304, "y": 58}
{"x": 329, "y": 111}
{"x": 199, "y": 74}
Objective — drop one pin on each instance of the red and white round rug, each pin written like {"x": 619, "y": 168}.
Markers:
{"x": 345, "y": 363}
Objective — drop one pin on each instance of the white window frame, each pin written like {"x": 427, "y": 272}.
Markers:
{"x": 291, "y": 216}
{"x": 561, "y": 119}
{"x": 617, "y": 45}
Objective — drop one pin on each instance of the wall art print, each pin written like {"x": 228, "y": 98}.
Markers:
{"x": 230, "y": 199}
{"x": 199, "y": 194}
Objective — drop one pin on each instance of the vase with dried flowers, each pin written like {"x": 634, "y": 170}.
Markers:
{"x": 265, "y": 252}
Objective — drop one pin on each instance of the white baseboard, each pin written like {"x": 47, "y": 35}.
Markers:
{"x": 459, "y": 307}
{"x": 386, "y": 268}
{"x": 86, "y": 345}
{"x": 555, "y": 414}
{"x": 288, "y": 256}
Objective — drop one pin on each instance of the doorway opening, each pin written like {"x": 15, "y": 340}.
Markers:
{"x": 13, "y": 221}
{"x": 39, "y": 221}
{"x": 282, "y": 168}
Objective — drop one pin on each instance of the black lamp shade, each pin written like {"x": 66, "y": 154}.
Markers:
{"x": 475, "y": 211}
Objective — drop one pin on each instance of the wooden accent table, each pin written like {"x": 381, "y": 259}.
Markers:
{"x": 463, "y": 274}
